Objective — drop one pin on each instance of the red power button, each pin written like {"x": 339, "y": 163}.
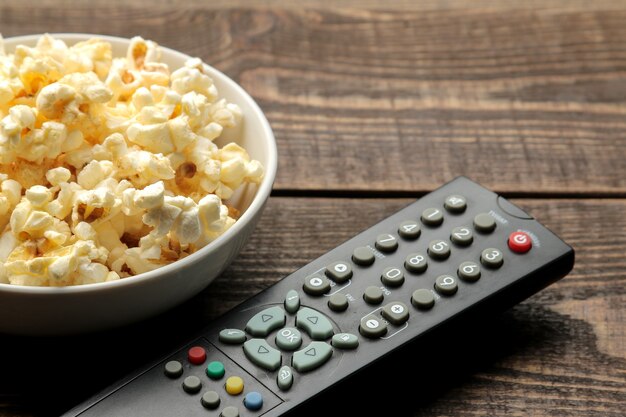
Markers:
{"x": 520, "y": 242}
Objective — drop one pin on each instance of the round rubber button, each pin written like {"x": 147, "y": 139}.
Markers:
{"x": 392, "y": 277}
{"x": 469, "y": 271}
{"x": 234, "y": 385}
{"x": 196, "y": 355}
{"x": 253, "y": 401}
{"x": 230, "y": 411}
{"x": 409, "y": 230}
{"x": 372, "y": 327}
{"x": 396, "y": 313}
{"x": 455, "y": 203}
{"x": 173, "y": 369}
{"x": 462, "y": 236}
{"x": 316, "y": 285}
{"x": 386, "y": 243}
{"x": 215, "y": 370}
{"x": 492, "y": 258}
{"x": 432, "y": 217}
{"x": 373, "y": 295}
{"x": 363, "y": 256}
{"x": 339, "y": 272}
{"x": 439, "y": 249}
{"x": 416, "y": 262}
{"x": 520, "y": 242}
{"x": 192, "y": 384}
{"x": 446, "y": 285}
{"x": 423, "y": 299}
{"x": 338, "y": 302}
{"x": 210, "y": 400}
{"x": 288, "y": 338}
{"x": 484, "y": 223}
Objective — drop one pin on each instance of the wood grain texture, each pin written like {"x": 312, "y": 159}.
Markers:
{"x": 560, "y": 353}
{"x": 522, "y": 100}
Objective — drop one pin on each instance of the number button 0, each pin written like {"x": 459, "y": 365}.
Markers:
{"x": 462, "y": 236}
{"x": 386, "y": 243}
{"x": 392, "y": 277}
{"x": 492, "y": 258}
{"x": 446, "y": 285}
{"x": 409, "y": 230}
{"x": 416, "y": 262}
{"x": 439, "y": 249}
{"x": 469, "y": 271}
{"x": 432, "y": 217}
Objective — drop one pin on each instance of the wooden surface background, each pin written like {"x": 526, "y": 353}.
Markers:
{"x": 373, "y": 104}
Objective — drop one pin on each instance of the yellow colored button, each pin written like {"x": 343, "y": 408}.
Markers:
{"x": 234, "y": 385}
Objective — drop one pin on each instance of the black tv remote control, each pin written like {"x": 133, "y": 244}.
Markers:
{"x": 457, "y": 252}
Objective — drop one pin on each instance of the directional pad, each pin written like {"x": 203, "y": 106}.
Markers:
{"x": 262, "y": 354}
{"x": 314, "y": 323}
{"x": 313, "y": 356}
{"x": 265, "y": 321}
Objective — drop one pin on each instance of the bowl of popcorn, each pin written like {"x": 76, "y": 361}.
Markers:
{"x": 131, "y": 175}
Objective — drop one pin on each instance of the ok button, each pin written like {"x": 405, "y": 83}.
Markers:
{"x": 288, "y": 338}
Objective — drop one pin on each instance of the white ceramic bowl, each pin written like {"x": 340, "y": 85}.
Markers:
{"x": 85, "y": 308}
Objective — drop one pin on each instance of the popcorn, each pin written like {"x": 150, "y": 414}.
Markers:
{"x": 108, "y": 167}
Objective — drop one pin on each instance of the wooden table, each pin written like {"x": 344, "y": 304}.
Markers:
{"x": 374, "y": 104}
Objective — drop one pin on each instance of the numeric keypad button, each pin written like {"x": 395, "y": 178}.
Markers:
{"x": 316, "y": 285}
{"x": 462, "y": 236}
{"x": 363, "y": 256}
{"x": 492, "y": 258}
{"x": 409, "y": 230}
{"x": 432, "y": 217}
{"x": 455, "y": 203}
{"x": 372, "y": 327}
{"x": 339, "y": 272}
{"x": 423, "y": 299}
{"x": 484, "y": 223}
{"x": 469, "y": 271}
{"x": 416, "y": 262}
{"x": 386, "y": 243}
{"x": 439, "y": 249}
{"x": 446, "y": 285}
{"x": 396, "y": 313}
{"x": 392, "y": 277}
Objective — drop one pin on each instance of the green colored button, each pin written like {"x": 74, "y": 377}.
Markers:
{"x": 314, "y": 323}
{"x": 312, "y": 356}
{"x": 262, "y": 354}
{"x": 345, "y": 341}
{"x": 265, "y": 321}
{"x": 215, "y": 370}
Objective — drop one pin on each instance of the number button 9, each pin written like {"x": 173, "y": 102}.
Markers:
{"x": 446, "y": 285}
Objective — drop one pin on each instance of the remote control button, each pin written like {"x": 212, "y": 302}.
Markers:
{"x": 469, "y": 271}
{"x": 173, "y": 369}
{"x": 215, "y": 370}
{"x": 363, "y": 256}
{"x": 386, "y": 243}
{"x": 313, "y": 356}
{"x": 288, "y": 338}
{"x": 210, "y": 400}
{"x": 372, "y": 327}
{"x": 462, "y": 236}
{"x": 196, "y": 355}
{"x": 292, "y": 301}
{"x": 423, "y": 299}
{"x": 432, "y": 217}
{"x": 392, "y": 277}
{"x": 373, "y": 295}
{"x": 259, "y": 352}
{"x": 439, "y": 249}
{"x": 446, "y": 285}
{"x": 338, "y": 302}
{"x": 520, "y": 242}
{"x": 192, "y": 384}
{"x": 230, "y": 412}
{"x": 409, "y": 230}
{"x": 491, "y": 258}
{"x": 253, "y": 401}
{"x": 416, "y": 262}
{"x": 314, "y": 323}
{"x": 339, "y": 272}
{"x": 396, "y": 313}
{"x": 316, "y": 285}
{"x": 232, "y": 336}
{"x": 262, "y": 323}
{"x": 484, "y": 223}
{"x": 284, "y": 379}
{"x": 345, "y": 341}
{"x": 234, "y": 385}
{"x": 455, "y": 204}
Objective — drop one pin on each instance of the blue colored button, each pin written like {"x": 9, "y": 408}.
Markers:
{"x": 253, "y": 401}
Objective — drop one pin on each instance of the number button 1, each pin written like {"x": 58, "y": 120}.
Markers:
{"x": 462, "y": 236}
{"x": 432, "y": 217}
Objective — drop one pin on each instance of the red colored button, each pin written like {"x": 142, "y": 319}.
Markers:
{"x": 196, "y": 355}
{"x": 520, "y": 242}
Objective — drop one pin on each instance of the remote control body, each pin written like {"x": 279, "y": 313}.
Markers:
{"x": 456, "y": 253}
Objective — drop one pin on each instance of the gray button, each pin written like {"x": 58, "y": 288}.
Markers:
{"x": 409, "y": 230}
{"x": 338, "y": 302}
{"x": 423, "y": 299}
{"x": 288, "y": 338}
{"x": 363, "y": 256}
{"x": 192, "y": 384}
{"x": 392, "y": 277}
{"x": 232, "y": 336}
{"x": 210, "y": 400}
{"x": 262, "y": 354}
{"x": 396, "y": 313}
{"x": 230, "y": 412}
{"x": 484, "y": 223}
{"x": 372, "y": 327}
{"x": 469, "y": 271}
{"x": 416, "y": 262}
{"x": 386, "y": 243}
{"x": 455, "y": 203}
{"x": 292, "y": 301}
{"x": 173, "y": 369}
{"x": 313, "y": 356}
{"x": 262, "y": 323}
{"x": 314, "y": 323}
{"x": 446, "y": 285}
{"x": 491, "y": 258}
{"x": 284, "y": 379}
{"x": 345, "y": 341}
{"x": 462, "y": 236}
{"x": 439, "y": 249}
{"x": 373, "y": 295}
{"x": 316, "y": 284}
{"x": 339, "y": 272}
{"x": 432, "y": 217}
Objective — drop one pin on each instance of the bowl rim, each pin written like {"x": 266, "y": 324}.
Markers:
{"x": 262, "y": 193}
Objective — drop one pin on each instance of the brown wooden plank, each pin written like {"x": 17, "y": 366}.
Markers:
{"x": 560, "y": 353}
{"x": 528, "y": 101}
